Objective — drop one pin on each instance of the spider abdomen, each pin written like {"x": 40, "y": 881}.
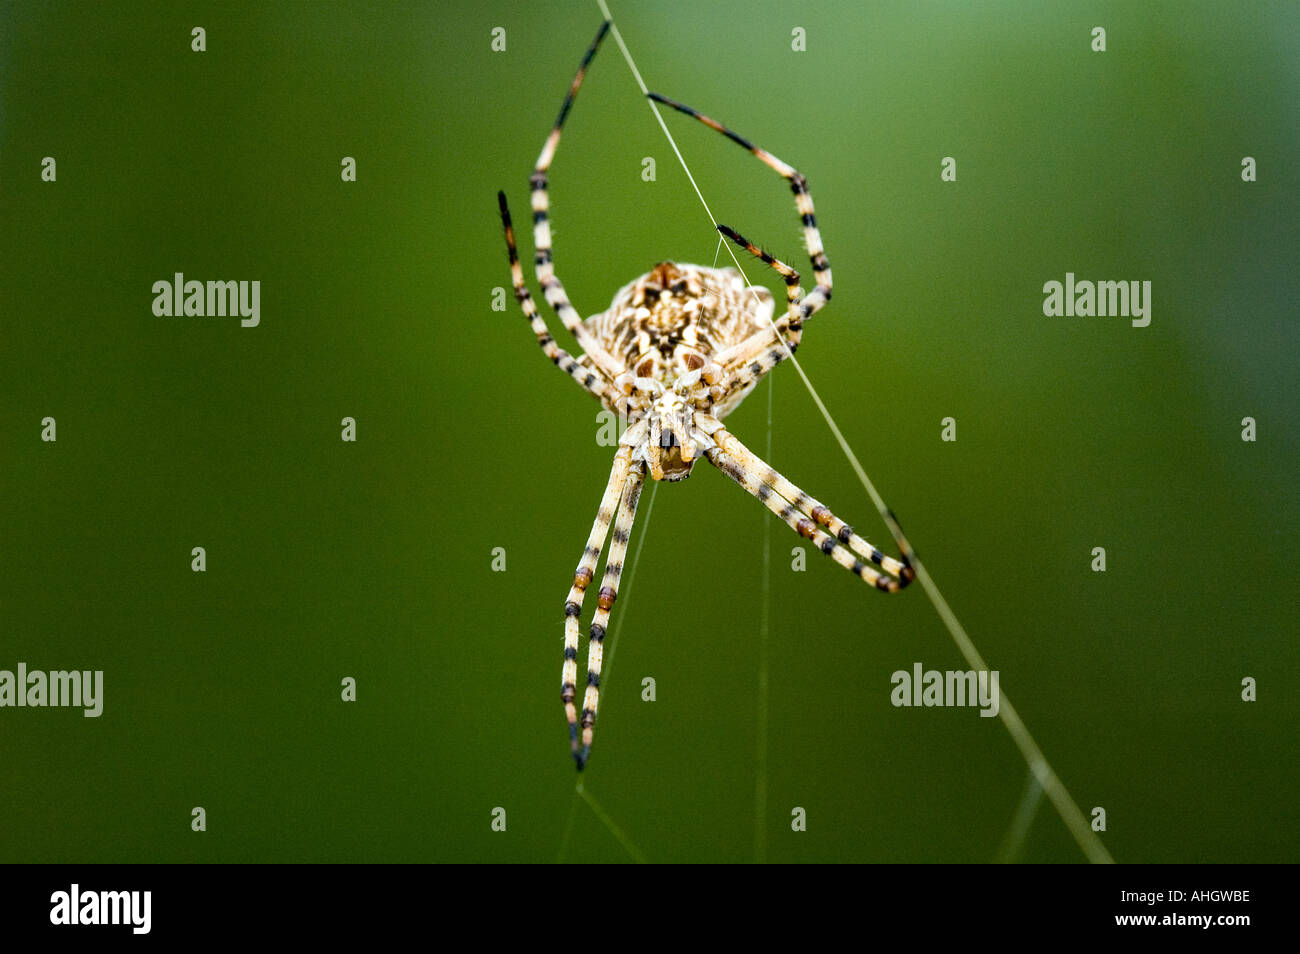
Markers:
{"x": 677, "y": 316}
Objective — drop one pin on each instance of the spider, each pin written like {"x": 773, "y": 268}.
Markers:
{"x": 677, "y": 350}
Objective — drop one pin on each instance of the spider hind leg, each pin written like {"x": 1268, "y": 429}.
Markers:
{"x": 814, "y": 521}
{"x": 582, "y": 578}
{"x": 605, "y": 603}
{"x": 622, "y": 493}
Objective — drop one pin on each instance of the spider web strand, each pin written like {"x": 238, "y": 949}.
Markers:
{"x": 637, "y": 854}
{"x": 568, "y": 827}
{"x": 764, "y": 625}
{"x": 1024, "y": 818}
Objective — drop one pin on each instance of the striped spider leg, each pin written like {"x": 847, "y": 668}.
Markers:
{"x": 676, "y": 351}
{"x": 751, "y": 359}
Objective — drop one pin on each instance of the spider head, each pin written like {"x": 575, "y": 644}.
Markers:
{"x": 672, "y": 440}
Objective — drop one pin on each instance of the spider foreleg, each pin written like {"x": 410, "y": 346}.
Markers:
{"x": 745, "y": 362}
{"x": 792, "y": 319}
{"x": 802, "y": 197}
{"x": 593, "y": 383}
{"x": 543, "y": 261}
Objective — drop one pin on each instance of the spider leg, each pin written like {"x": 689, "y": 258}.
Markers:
{"x": 605, "y": 601}
{"x": 803, "y": 201}
{"x": 589, "y": 380}
{"x": 748, "y": 360}
{"x": 811, "y": 519}
{"x": 581, "y": 579}
{"x": 552, "y": 287}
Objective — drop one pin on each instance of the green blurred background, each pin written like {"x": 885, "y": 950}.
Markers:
{"x": 373, "y": 559}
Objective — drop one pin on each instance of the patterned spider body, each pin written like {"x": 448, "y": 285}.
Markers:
{"x": 677, "y": 350}
{"x": 665, "y": 328}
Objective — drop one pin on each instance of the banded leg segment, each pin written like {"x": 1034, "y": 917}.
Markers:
{"x": 581, "y": 579}
{"x": 605, "y": 602}
{"x": 803, "y": 201}
{"x": 747, "y": 361}
{"x": 589, "y": 380}
{"x": 819, "y": 512}
{"x": 552, "y": 287}
{"x": 811, "y": 519}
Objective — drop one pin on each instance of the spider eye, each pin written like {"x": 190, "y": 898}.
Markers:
{"x": 651, "y": 293}
{"x": 679, "y": 288}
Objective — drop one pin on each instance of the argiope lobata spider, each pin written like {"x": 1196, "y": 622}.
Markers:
{"x": 677, "y": 350}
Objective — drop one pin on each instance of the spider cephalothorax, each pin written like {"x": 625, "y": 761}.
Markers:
{"x": 676, "y": 351}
